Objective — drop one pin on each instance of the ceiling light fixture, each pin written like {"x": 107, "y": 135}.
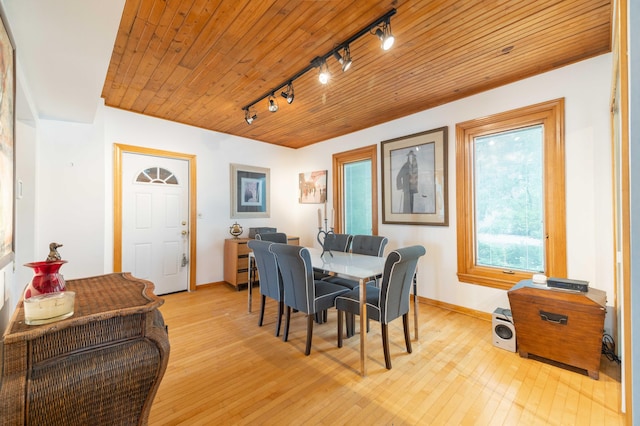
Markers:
{"x": 273, "y": 103}
{"x": 249, "y": 117}
{"x": 344, "y": 59}
{"x": 381, "y": 27}
{"x": 323, "y": 74}
{"x": 385, "y": 36}
{"x": 288, "y": 93}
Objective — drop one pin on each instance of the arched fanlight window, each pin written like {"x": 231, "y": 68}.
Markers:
{"x": 157, "y": 175}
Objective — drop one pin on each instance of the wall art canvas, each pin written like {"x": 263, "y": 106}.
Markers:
{"x": 414, "y": 179}
{"x": 249, "y": 191}
{"x": 7, "y": 159}
{"x": 312, "y": 187}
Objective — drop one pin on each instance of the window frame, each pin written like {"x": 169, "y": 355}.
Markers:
{"x": 339, "y": 160}
{"x": 551, "y": 116}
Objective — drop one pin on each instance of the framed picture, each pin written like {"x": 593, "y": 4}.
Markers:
{"x": 313, "y": 187}
{"x": 7, "y": 157}
{"x": 414, "y": 179}
{"x": 249, "y": 191}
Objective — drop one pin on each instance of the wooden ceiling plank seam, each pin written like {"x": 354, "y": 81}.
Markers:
{"x": 270, "y": 82}
{"x": 158, "y": 51}
{"x": 126, "y": 23}
{"x": 214, "y": 29}
{"x": 176, "y": 46}
{"x": 181, "y": 91}
{"x": 124, "y": 71}
{"x": 430, "y": 65}
{"x": 433, "y": 57}
{"x": 165, "y": 50}
{"x": 133, "y": 50}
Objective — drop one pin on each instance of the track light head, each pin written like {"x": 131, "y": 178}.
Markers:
{"x": 344, "y": 59}
{"x": 249, "y": 117}
{"x": 323, "y": 76}
{"x": 385, "y": 36}
{"x": 288, "y": 93}
{"x": 273, "y": 103}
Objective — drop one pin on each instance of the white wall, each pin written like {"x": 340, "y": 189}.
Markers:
{"x": 74, "y": 183}
{"x": 215, "y": 152}
{"x": 585, "y": 87}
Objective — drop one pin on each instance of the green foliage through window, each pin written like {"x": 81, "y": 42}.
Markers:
{"x": 509, "y": 199}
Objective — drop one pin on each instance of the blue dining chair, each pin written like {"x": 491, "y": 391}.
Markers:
{"x": 390, "y": 300}
{"x": 334, "y": 242}
{"x": 270, "y": 280}
{"x": 274, "y": 237}
{"x": 301, "y": 291}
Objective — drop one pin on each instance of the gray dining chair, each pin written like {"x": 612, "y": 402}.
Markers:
{"x": 270, "y": 281}
{"x": 334, "y": 242}
{"x": 301, "y": 291}
{"x": 274, "y": 237}
{"x": 390, "y": 300}
{"x": 370, "y": 245}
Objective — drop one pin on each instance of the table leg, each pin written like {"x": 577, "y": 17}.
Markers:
{"x": 250, "y": 282}
{"x": 363, "y": 327}
{"x": 415, "y": 304}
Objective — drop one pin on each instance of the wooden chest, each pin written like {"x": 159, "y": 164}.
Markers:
{"x": 563, "y": 326}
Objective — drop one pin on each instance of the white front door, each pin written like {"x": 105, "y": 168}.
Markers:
{"x": 155, "y": 220}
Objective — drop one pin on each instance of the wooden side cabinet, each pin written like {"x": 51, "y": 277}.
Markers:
{"x": 563, "y": 326}
{"x": 236, "y": 260}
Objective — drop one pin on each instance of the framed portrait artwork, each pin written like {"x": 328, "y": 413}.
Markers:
{"x": 249, "y": 191}
{"x": 414, "y": 179}
{"x": 7, "y": 156}
{"x": 312, "y": 187}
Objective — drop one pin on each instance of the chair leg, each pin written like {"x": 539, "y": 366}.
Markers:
{"x": 262, "y": 303}
{"x": 385, "y": 345}
{"x": 285, "y": 336}
{"x": 340, "y": 328}
{"x": 351, "y": 324}
{"x": 309, "y": 334}
{"x": 280, "y": 310}
{"x": 407, "y": 338}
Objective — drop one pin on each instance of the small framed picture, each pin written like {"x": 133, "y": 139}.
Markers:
{"x": 312, "y": 187}
{"x": 414, "y": 179}
{"x": 249, "y": 191}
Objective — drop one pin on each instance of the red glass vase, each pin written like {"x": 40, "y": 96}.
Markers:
{"x": 46, "y": 278}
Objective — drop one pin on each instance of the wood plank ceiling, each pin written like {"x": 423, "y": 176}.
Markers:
{"x": 199, "y": 62}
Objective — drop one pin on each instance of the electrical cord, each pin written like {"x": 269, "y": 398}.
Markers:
{"x": 609, "y": 348}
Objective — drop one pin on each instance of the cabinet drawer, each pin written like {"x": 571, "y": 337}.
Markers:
{"x": 242, "y": 277}
{"x": 243, "y": 262}
{"x": 243, "y": 249}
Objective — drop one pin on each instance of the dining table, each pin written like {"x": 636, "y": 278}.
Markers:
{"x": 358, "y": 267}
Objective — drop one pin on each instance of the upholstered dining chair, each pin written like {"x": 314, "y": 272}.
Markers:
{"x": 371, "y": 245}
{"x": 334, "y": 242}
{"x": 390, "y": 300}
{"x": 274, "y": 237}
{"x": 301, "y": 291}
{"x": 270, "y": 280}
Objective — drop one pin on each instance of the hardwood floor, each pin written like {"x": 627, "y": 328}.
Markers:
{"x": 224, "y": 369}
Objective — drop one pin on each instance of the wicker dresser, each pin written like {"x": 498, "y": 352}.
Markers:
{"x": 103, "y": 365}
{"x": 559, "y": 325}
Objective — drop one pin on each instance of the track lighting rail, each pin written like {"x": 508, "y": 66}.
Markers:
{"x": 318, "y": 61}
